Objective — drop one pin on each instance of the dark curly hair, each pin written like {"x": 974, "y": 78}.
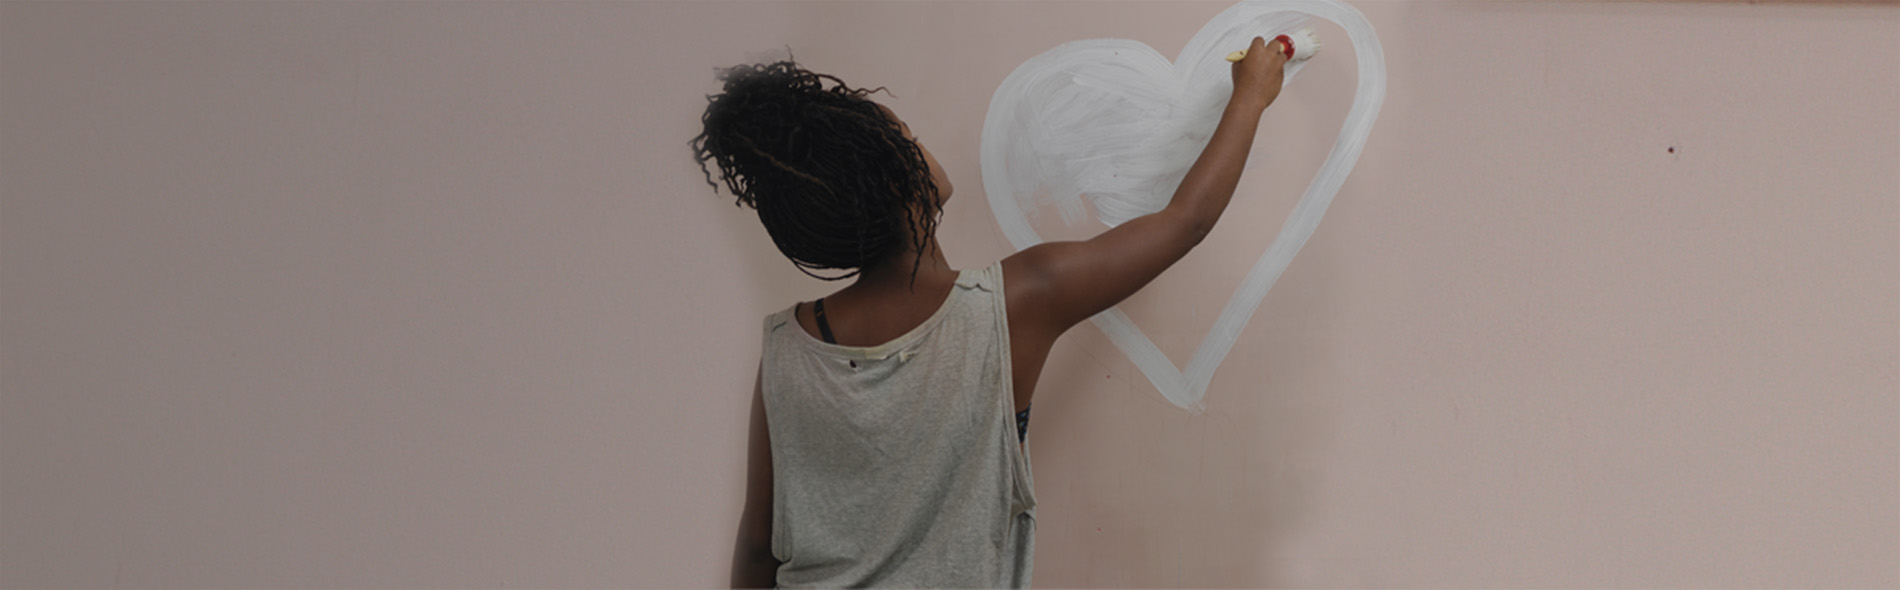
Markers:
{"x": 835, "y": 181}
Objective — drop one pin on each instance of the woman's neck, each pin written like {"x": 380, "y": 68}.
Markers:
{"x": 895, "y": 272}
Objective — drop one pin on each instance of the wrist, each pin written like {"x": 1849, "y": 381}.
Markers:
{"x": 1245, "y": 105}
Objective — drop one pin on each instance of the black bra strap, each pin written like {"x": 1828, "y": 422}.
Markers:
{"x": 824, "y": 327}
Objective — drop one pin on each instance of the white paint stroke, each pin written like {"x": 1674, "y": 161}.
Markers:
{"x": 1114, "y": 121}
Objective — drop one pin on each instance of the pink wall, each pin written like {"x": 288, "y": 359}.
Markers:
{"x": 396, "y": 294}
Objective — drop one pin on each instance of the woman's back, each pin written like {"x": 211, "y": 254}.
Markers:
{"x": 899, "y": 464}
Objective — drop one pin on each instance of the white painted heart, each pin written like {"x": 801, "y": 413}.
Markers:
{"x": 1113, "y": 120}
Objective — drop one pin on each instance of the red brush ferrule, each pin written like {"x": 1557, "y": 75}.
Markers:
{"x": 1286, "y": 45}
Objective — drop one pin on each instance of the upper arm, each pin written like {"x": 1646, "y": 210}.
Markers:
{"x": 752, "y": 562}
{"x": 1055, "y": 285}
{"x": 758, "y": 495}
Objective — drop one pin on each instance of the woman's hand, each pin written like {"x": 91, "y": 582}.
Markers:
{"x": 1258, "y": 77}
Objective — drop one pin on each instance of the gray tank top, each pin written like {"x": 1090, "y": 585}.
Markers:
{"x": 898, "y": 464}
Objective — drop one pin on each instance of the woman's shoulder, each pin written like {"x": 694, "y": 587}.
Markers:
{"x": 778, "y": 319}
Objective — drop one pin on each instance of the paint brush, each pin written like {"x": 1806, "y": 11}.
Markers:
{"x": 1298, "y": 46}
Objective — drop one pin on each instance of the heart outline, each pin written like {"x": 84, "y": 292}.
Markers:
{"x": 1188, "y": 387}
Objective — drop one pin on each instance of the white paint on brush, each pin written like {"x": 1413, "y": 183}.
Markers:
{"x": 1115, "y": 122}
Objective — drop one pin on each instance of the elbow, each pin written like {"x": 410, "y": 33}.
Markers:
{"x": 1192, "y": 230}
{"x": 1199, "y": 231}
{"x": 1181, "y": 233}
{"x": 1185, "y": 228}
{"x": 754, "y": 567}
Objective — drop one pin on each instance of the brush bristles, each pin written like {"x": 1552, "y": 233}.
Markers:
{"x": 1305, "y": 44}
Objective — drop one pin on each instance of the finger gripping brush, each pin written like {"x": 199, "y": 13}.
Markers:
{"x": 1298, "y": 46}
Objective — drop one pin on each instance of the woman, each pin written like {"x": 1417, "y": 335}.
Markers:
{"x": 884, "y": 450}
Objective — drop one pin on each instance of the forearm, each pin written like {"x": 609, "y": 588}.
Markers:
{"x": 1210, "y": 183}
